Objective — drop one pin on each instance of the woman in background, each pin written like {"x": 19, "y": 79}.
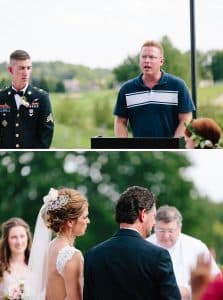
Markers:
{"x": 15, "y": 247}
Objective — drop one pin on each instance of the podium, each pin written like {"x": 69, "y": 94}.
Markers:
{"x": 99, "y": 142}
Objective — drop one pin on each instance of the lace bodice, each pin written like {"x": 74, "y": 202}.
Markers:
{"x": 64, "y": 255}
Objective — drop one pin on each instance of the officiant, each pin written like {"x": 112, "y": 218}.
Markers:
{"x": 26, "y": 119}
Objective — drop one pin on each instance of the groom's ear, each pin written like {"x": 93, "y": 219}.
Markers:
{"x": 141, "y": 215}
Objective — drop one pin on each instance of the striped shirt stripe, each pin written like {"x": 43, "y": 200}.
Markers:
{"x": 152, "y": 97}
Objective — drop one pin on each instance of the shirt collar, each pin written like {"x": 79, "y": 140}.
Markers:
{"x": 24, "y": 89}
{"x": 163, "y": 79}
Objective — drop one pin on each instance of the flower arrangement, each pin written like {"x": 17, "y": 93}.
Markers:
{"x": 15, "y": 292}
{"x": 24, "y": 101}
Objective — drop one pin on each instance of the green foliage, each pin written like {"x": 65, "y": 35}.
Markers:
{"x": 82, "y": 116}
{"x": 128, "y": 69}
{"x": 203, "y": 65}
{"x": 176, "y": 63}
{"x": 207, "y": 105}
{"x": 27, "y": 176}
{"x": 4, "y": 82}
{"x": 217, "y": 66}
{"x": 51, "y": 76}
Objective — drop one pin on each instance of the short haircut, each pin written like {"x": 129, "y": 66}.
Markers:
{"x": 153, "y": 44}
{"x": 168, "y": 214}
{"x": 131, "y": 202}
{"x": 19, "y": 55}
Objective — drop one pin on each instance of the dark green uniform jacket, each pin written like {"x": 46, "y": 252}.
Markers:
{"x": 30, "y": 126}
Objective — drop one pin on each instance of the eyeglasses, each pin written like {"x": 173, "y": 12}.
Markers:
{"x": 163, "y": 231}
{"x": 150, "y": 57}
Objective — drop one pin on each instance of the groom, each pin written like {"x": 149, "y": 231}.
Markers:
{"x": 26, "y": 119}
{"x": 126, "y": 267}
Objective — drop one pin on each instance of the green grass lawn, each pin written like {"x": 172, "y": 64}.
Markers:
{"x": 207, "y": 106}
{"x": 78, "y": 117}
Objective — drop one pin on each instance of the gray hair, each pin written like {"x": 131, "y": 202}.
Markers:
{"x": 168, "y": 214}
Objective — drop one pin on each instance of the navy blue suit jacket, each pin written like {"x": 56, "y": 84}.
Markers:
{"x": 127, "y": 267}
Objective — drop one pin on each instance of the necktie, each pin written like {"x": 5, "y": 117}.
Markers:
{"x": 17, "y": 99}
{"x": 20, "y": 93}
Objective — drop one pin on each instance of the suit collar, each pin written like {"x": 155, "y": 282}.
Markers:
{"x": 127, "y": 231}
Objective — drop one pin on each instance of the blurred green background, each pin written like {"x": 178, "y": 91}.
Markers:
{"x": 27, "y": 176}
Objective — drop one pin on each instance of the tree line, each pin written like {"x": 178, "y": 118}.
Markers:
{"x": 61, "y": 77}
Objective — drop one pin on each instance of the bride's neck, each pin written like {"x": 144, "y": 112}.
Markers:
{"x": 65, "y": 237}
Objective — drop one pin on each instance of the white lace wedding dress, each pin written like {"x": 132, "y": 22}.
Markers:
{"x": 35, "y": 286}
{"x": 64, "y": 255}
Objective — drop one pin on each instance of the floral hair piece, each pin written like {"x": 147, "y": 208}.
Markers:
{"x": 198, "y": 139}
{"x": 53, "y": 200}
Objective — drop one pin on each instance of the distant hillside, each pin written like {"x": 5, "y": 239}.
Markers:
{"x": 74, "y": 77}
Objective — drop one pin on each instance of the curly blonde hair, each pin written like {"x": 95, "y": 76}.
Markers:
{"x": 56, "y": 218}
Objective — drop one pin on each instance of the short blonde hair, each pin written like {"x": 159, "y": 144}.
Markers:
{"x": 155, "y": 44}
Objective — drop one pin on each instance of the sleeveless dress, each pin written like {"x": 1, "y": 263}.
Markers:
{"x": 64, "y": 255}
{"x": 11, "y": 286}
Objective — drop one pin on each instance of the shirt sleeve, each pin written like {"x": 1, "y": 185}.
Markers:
{"x": 46, "y": 123}
{"x": 120, "y": 109}
{"x": 185, "y": 102}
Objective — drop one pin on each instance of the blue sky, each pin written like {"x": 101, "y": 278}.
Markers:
{"x": 100, "y": 33}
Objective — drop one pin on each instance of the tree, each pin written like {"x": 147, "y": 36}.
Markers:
{"x": 4, "y": 82}
{"x": 128, "y": 69}
{"x": 175, "y": 62}
{"x": 217, "y": 65}
{"x": 59, "y": 88}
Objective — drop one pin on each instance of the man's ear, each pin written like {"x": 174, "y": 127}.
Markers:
{"x": 10, "y": 69}
{"x": 142, "y": 215}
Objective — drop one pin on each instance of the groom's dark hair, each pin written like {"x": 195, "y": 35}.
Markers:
{"x": 131, "y": 202}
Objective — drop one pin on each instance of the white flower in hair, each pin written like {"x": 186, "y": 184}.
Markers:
{"x": 53, "y": 200}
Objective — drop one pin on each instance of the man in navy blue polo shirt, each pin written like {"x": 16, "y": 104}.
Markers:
{"x": 155, "y": 103}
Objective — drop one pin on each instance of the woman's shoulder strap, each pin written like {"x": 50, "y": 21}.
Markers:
{"x": 64, "y": 255}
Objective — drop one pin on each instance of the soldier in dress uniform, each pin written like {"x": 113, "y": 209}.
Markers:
{"x": 26, "y": 119}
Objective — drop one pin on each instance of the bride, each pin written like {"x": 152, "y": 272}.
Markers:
{"x": 56, "y": 267}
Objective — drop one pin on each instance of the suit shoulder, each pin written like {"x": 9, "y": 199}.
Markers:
{"x": 39, "y": 91}
{"x": 3, "y": 93}
{"x": 4, "y": 90}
